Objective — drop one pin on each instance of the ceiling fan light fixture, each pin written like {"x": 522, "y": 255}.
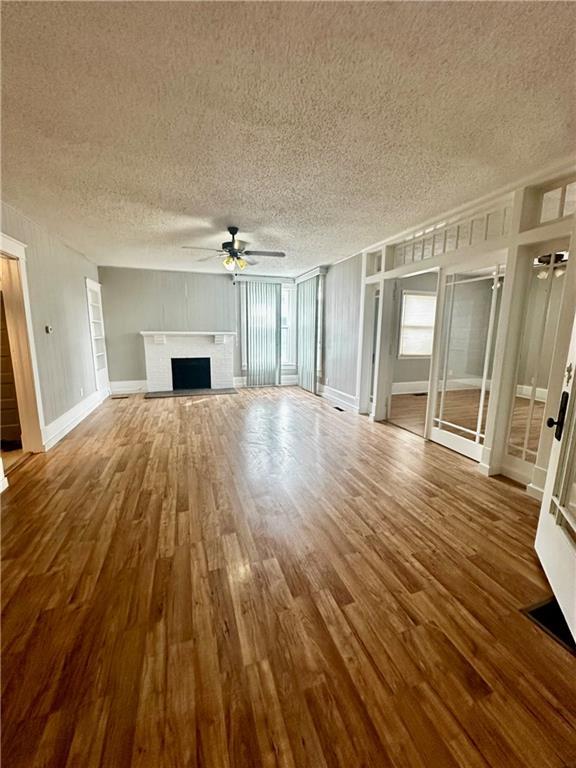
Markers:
{"x": 229, "y": 264}
{"x": 241, "y": 263}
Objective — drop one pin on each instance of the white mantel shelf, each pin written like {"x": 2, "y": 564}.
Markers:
{"x": 159, "y": 337}
{"x": 188, "y": 333}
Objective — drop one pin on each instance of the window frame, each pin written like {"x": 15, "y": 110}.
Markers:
{"x": 293, "y": 327}
{"x": 401, "y": 325}
{"x": 289, "y": 289}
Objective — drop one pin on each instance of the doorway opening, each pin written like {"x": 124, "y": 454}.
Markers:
{"x": 411, "y": 354}
{"x": 20, "y": 423}
{"x": 10, "y": 429}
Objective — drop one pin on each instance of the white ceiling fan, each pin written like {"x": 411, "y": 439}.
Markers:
{"x": 235, "y": 254}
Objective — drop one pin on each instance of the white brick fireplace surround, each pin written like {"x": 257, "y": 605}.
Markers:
{"x": 161, "y": 346}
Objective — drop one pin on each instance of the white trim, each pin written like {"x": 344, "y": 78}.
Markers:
{"x": 525, "y": 390}
{"x": 128, "y": 387}
{"x": 365, "y": 331}
{"x": 489, "y": 253}
{"x": 310, "y": 274}
{"x": 20, "y": 331}
{"x": 187, "y": 333}
{"x": 557, "y": 169}
{"x": 286, "y": 380}
{"x": 517, "y": 469}
{"x": 462, "y": 445}
{"x": 3, "y": 482}
{"x": 536, "y": 486}
{"x": 534, "y": 491}
{"x": 60, "y": 427}
{"x": 260, "y": 279}
{"x": 12, "y": 247}
{"x": 342, "y": 399}
{"x": 410, "y": 387}
{"x": 415, "y": 387}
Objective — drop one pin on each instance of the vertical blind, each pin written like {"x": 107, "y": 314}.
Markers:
{"x": 307, "y": 333}
{"x": 263, "y": 338}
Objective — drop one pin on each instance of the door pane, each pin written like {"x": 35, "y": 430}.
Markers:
{"x": 470, "y": 322}
{"x": 536, "y": 347}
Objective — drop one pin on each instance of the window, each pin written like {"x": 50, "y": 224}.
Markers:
{"x": 287, "y": 324}
{"x": 417, "y": 324}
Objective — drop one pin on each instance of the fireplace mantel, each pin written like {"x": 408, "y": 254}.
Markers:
{"x": 160, "y": 336}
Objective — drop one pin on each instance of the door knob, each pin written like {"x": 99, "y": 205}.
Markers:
{"x": 558, "y": 422}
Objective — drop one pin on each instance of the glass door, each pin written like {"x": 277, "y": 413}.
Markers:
{"x": 469, "y": 325}
{"x": 540, "y": 326}
{"x": 556, "y": 535}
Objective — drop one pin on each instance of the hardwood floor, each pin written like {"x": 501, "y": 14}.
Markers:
{"x": 461, "y": 407}
{"x": 261, "y": 580}
{"x": 409, "y": 412}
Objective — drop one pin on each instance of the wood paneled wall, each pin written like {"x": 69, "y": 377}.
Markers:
{"x": 341, "y": 322}
{"x": 137, "y": 300}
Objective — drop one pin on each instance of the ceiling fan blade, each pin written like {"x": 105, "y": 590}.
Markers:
{"x": 275, "y": 254}
{"x": 200, "y": 248}
{"x": 207, "y": 258}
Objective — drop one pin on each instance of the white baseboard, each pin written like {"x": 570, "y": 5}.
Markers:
{"x": 417, "y": 387}
{"x": 60, "y": 427}
{"x": 3, "y": 483}
{"x": 341, "y": 399}
{"x": 128, "y": 387}
{"x": 535, "y": 492}
{"x": 523, "y": 390}
{"x": 536, "y": 487}
{"x": 287, "y": 380}
{"x": 409, "y": 387}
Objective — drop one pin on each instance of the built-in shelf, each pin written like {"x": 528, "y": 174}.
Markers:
{"x": 97, "y": 334}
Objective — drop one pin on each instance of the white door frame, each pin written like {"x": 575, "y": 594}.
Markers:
{"x": 20, "y": 333}
{"x": 556, "y": 535}
{"x": 472, "y": 448}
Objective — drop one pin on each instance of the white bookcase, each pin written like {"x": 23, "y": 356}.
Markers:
{"x": 94, "y": 298}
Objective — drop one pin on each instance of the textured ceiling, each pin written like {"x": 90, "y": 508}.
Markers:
{"x": 319, "y": 128}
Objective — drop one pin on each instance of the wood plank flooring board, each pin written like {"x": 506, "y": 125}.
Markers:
{"x": 264, "y": 581}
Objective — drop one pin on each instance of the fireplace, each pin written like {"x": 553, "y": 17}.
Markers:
{"x": 162, "y": 347}
{"x": 191, "y": 373}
